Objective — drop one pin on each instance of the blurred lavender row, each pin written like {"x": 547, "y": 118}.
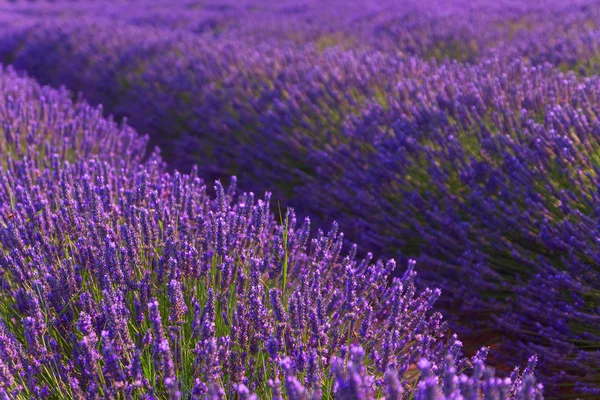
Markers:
{"x": 485, "y": 173}
{"x": 120, "y": 280}
{"x": 458, "y": 29}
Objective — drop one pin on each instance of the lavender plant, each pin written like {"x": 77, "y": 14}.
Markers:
{"x": 497, "y": 176}
{"x": 120, "y": 280}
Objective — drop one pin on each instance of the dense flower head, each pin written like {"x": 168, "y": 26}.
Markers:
{"x": 210, "y": 297}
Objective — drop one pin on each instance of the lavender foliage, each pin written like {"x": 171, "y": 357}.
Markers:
{"x": 120, "y": 280}
{"x": 460, "y": 134}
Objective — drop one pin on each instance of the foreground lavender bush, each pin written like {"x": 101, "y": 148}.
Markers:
{"x": 121, "y": 280}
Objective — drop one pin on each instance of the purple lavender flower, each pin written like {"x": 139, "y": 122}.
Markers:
{"x": 96, "y": 297}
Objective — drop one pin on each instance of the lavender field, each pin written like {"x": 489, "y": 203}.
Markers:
{"x": 300, "y": 199}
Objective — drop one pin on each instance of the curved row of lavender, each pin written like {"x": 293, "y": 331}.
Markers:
{"x": 120, "y": 280}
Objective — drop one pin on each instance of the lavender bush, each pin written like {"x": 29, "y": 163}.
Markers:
{"x": 497, "y": 176}
{"x": 120, "y": 280}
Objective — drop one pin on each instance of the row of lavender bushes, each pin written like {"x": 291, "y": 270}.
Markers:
{"x": 464, "y": 30}
{"x": 121, "y": 280}
{"x": 485, "y": 174}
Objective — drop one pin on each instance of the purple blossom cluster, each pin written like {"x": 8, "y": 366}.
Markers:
{"x": 121, "y": 280}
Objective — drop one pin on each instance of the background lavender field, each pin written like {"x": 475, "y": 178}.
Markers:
{"x": 460, "y": 134}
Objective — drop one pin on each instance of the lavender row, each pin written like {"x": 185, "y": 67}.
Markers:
{"x": 121, "y": 280}
{"x": 436, "y": 29}
{"x": 491, "y": 183}
{"x": 214, "y": 101}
